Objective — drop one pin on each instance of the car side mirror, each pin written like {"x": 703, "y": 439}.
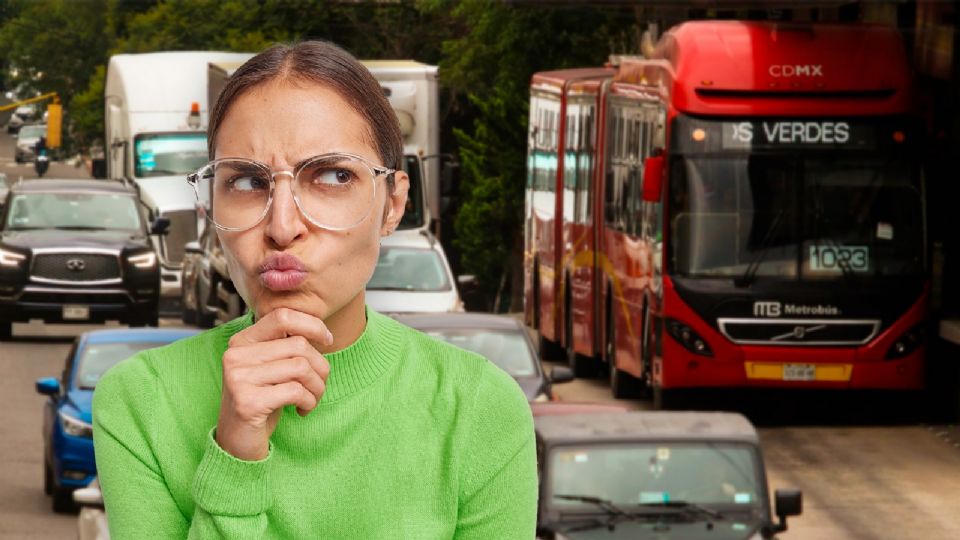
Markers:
{"x": 160, "y": 225}
{"x": 193, "y": 247}
{"x": 561, "y": 374}
{"x": 786, "y": 502}
{"x": 467, "y": 281}
{"x": 89, "y": 496}
{"x": 653, "y": 178}
{"x": 48, "y": 386}
{"x": 98, "y": 168}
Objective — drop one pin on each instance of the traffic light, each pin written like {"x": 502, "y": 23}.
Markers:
{"x": 54, "y": 121}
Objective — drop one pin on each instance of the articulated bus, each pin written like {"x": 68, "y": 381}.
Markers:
{"x": 757, "y": 216}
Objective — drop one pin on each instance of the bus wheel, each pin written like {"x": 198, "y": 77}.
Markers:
{"x": 582, "y": 366}
{"x": 665, "y": 399}
{"x": 622, "y": 385}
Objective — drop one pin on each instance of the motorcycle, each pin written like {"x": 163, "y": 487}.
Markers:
{"x": 41, "y": 164}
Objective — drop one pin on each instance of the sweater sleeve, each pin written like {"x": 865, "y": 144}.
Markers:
{"x": 231, "y": 495}
{"x": 498, "y": 471}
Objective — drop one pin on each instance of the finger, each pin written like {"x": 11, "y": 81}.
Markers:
{"x": 289, "y": 393}
{"x": 281, "y": 323}
{"x": 285, "y": 370}
{"x": 269, "y": 351}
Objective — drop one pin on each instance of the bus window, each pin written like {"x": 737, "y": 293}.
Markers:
{"x": 413, "y": 214}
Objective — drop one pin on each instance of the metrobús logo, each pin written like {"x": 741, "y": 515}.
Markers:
{"x": 778, "y": 309}
{"x": 796, "y": 70}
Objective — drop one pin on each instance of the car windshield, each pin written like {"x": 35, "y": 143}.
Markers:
{"x": 31, "y": 132}
{"x": 97, "y": 358}
{"x": 649, "y": 473}
{"x": 508, "y": 350}
{"x": 71, "y": 210}
{"x": 409, "y": 269}
{"x": 169, "y": 154}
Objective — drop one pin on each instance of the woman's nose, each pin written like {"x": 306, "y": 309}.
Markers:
{"x": 284, "y": 222}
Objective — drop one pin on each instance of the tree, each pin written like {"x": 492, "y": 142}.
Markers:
{"x": 492, "y": 64}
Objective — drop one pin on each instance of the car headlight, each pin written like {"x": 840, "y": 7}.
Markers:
{"x": 9, "y": 258}
{"x": 76, "y": 427}
{"x": 145, "y": 260}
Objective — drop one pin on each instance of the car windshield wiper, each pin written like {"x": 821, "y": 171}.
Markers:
{"x": 406, "y": 288}
{"x": 79, "y": 228}
{"x": 748, "y": 276}
{"x": 608, "y": 506}
{"x": 685, "y": 506}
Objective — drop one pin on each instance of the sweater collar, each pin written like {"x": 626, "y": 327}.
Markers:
{"x": 361, "y": 363}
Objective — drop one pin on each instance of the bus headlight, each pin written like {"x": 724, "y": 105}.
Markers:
{"x": 907, "y": 343}
{"x": 690, "y": 340}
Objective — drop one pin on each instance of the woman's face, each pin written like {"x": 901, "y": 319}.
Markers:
{"x": 281, "y": 124}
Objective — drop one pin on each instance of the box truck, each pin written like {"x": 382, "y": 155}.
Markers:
{"x": 156, "y": 111}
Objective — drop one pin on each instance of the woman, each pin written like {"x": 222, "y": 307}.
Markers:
{"x": 311, "y": 417}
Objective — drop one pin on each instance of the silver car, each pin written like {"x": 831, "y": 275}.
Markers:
{"x": 413, "y": 276}
{"x": 26, "y": 139}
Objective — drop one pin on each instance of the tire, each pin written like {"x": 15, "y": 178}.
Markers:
{"x": 47, "y": 478}
{"x": 582, "y": 366}
{"x": 622, "y": 385}
{"x": 6, "y": 330}
{"x": 63, "y": 500}
{"x": 188, "y": 316}
{"x": 666, "y": 399}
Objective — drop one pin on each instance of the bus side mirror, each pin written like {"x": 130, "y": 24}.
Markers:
{"x": 652, "y": 178}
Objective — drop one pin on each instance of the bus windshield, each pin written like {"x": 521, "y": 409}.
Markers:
{"x": 795, "y": 216}
{"x": 413, "y": 214}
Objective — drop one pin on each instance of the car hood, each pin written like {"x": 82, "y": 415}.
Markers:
{"x": 411, "y": 301}
{"x": 668, "y": 530}
{"x": 81, "y": 403}
{"x": 71, "y": 239}
{"x": 167, "y": 193}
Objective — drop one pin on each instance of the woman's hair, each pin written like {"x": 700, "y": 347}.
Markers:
{"x": 326, "y": 64}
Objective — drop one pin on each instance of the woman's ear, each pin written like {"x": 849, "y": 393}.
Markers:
{"x": 396, "y": 203}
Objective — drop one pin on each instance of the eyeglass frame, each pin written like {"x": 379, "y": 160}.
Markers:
{"x": 194, "y": 180}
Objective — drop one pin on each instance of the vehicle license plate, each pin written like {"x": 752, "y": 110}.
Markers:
{"x": 76, "y": 313}
{"x": 799, "y": 372}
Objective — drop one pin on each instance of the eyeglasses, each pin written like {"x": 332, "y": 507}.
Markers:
{"x": 333, "y": 191}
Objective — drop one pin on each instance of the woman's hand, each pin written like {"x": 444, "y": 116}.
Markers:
{"x": 267, "y": 366}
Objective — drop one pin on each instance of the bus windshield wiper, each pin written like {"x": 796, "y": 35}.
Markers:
{"x": 748, "y": 276}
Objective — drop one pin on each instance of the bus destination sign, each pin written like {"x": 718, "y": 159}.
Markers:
{"x": 796, "y": 133}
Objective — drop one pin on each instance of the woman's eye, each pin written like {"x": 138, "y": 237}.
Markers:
{"x": 333, "y": 177}
{"x": 248, "y": 183}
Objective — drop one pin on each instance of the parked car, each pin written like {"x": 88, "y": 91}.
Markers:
{"x": 92, "y": 521}
{"x": 501, "y": 339}
{"x": 76, "y": 251}
{"x": 196, "y": 293}
{"x": 22, "y": 115}
{"x": 27, "y": 137}
{"x": 67, "y": 417}
{"x": 660, "y": 475}
{"x": 4, "y": 189}
{"x": 412, "y": 276}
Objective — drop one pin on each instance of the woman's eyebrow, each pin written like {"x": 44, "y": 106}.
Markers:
{"x": 246, "y": 168}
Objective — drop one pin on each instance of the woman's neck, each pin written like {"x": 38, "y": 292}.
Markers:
{"x": 347, "y": 324}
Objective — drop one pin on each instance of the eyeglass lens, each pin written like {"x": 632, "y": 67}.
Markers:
{"x": 332, "y": 191}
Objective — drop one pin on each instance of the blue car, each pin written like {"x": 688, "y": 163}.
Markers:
{"x": 67, "y": 416}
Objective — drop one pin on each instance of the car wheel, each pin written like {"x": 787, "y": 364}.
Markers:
{"x": 188, "y": 315}
{"x": 665, "y": 399}
{"x": 6, "y": 330}
{"x": 203, "y": 319}
{"x": 47, "y": 478}
{"x": 63, "y": 500}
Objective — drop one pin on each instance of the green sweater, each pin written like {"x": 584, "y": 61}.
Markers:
{"x": 413, "y": 438}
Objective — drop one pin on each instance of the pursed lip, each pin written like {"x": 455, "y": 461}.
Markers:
{"x": 282, "y": 272}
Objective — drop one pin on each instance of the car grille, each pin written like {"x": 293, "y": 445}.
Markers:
{"x": 799, "y": 332}
{"x": 76, "y": 266}
{"x": 183, "y": 229}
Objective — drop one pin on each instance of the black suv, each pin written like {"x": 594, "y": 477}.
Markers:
{"x": 76, "y": 251}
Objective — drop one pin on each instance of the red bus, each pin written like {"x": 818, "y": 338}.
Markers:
{"x": 758, "y": 216}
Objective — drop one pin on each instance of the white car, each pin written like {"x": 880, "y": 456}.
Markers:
{"x": 413, "y": 276}
{"x": 92, "y": 522}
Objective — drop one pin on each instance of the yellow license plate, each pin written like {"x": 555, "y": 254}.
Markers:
{"x": 777, "y": 371}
